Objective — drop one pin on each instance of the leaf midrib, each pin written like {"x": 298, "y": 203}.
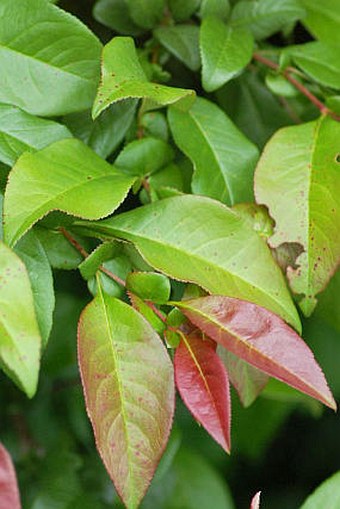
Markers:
{"x": 215, "y": 156}
{"x": 248, "y": 345}
{"x": 120, "y": 387}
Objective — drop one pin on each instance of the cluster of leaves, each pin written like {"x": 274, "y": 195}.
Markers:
{"x": 216, "y": 243}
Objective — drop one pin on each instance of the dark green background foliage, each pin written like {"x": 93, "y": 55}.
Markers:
{"x": 285, "y": 443}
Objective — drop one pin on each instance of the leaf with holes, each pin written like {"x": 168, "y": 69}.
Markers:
{"x": 49, "y": 60}
{"x": 203, "y": 384}
{"x": 262, "y": 339}
{"x": 19, "y": 333}
{"x": 67, "y": 176}
{"x": 199, "y": 240}
{"x": 9, "y": 491}
{"x": 298, "y": 178}
{"x": 128, "y": 383}
{"x": 123, "y": 77}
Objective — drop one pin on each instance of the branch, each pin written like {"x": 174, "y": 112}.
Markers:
{"x": 287, "y": 73}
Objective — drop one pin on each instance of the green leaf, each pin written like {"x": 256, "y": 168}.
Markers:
{"x": 265, "y": 17}
{"x": 149, "y": 286}
{"x": 154, "y": 124}
{"x": 67, "y": 176}
{"x": 323, "y": 19}
{"x": 326, "y": 495}
{"x": 183, "y": 10}
{"x": 146, "y": 13}
{"x": 128, "y": 382}
{"x": 252, "y": 107}
{"x": 297, "y": 177}
{"x": 218, "y": 8}
{"x": 104, "y": 252}
{"x": 105, "y": 133}
{"x": 144, "y": 157}
{"x": 224, "y": 159}
{"x": 123, "y": 77}
{"x": 19, "y": 333}
{"x": 49, "y": 60}
{"x": 328, "y": 308}
{"x": 139, "y": 305}
{"x": 247, "y": 380}
{"x": 225, "y": 52}
{"x": 257, "y": 217}
{"x": 190, "y": 482}
{"x": 60, "y": 253}
{"x": 21, "y": 132}
{"x": 199, "y": 240}
{"x": 119, "y": 266}
{"x": 182, "y": 42}
{"x": 31, "y": 252}
{"x": 320, "y": 61}
{"x": 114, "y": 14}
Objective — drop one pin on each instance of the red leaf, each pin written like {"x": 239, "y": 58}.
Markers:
{"x": 203, "y": 384}
{"x": 255, "y": 503}
{"x": 9, "y": 492}
{"x": 128, "y": 383}
{"x": 262, "y": 339}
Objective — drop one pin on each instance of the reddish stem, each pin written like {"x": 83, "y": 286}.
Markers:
{"x": 74, "y": 243}
{"x": 287, "y": 73}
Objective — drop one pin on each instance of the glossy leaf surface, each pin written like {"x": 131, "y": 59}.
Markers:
{"x": 209, "y": 245}
{"x": 149, "y": 286}
{"x": 223, "y": 158}
{"x": 297, "y": 177}
{"x": 49, "y": 60}
{"x": 265, "y": 17}
{"x": 262, "y": 339}
{"x": 247, "y": 380}
{"x": 123, "y": 77}
{"x": 144, "y": 157}
{"x": 115, "y": 14}
{"x": 66, "y": 176}
{"x": 21, "y": 132}
{"x": 225, "y": 52}
{"x": 203, "y": 384}
{"x": 182, "y": 42}
{"x": 127, "y": 378}
{"x": 146, "y": 13}
{"x": 9, "y": 491}
{"x": 219, "y": 8}
{"x": 19, "y": 333}
{"x": 323, "y": 19}
{"x": 326, "y": 495}
{"x": 319, "y": 61}
{"x": 32, "y": 253}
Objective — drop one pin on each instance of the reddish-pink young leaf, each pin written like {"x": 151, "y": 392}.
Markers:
{"x": 9, "y": 492}
{"x": 128, "y": 382}
{"x": 203, "y": 384}
{"x": 255, "y": 503}
{"x": 262, "y": 339}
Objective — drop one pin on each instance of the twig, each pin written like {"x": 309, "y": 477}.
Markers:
{"x": 287, "y": 73}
